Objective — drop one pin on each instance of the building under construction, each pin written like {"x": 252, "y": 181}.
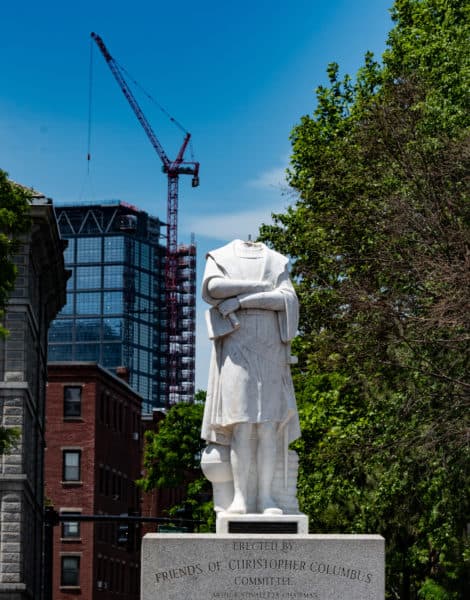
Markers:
{"x": 182, "y": 382}
{"x": 117, "y": 310}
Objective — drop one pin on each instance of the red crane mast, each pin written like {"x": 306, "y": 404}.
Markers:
{"x": 173, "y": 169}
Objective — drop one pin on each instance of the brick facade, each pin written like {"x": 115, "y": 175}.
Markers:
{"x": 107, "y": 436}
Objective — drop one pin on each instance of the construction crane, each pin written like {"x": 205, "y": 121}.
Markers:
{"x": 173, "y": 169}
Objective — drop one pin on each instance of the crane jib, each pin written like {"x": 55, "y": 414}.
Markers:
{"x": 172, "y": 169}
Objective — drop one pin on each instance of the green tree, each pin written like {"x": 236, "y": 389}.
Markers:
{"x": 172, "y": 458}
{"x": 379, "y": 240}
{"x": 14, "y": 222}
{"x": 8, "y": 437}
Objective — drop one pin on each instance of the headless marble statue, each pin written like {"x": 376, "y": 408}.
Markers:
{"x": 250, "y": 404}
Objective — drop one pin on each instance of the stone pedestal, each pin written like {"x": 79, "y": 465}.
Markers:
{"x": 262, "y": 567}
{"x": 265, "y": 524}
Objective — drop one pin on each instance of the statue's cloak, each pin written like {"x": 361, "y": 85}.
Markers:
{"x": 249, "y": 374}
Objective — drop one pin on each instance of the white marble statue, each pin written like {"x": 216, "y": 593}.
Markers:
{"x": 250, "y": 412}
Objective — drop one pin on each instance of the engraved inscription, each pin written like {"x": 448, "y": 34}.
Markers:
{"x": 179, "y": 572}
{"x": 266, "y": 563}
{"x": 271, "y": 546}
{"x": 265, "y": 595}
{"x": 275, "y": 567}
{"x": 259, "y": 573}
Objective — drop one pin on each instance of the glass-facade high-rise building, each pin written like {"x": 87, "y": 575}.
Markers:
{"x": 116, "y": 305}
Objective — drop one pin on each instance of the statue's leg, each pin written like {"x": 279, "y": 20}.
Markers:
{"x": 266, "y": 464}
{"x": 240, "y": 458}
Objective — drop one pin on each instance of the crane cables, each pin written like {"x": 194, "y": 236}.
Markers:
{"x": 157, "y": 104}
{"x": 132, "y": 79}
{"x": 90, "y": 103}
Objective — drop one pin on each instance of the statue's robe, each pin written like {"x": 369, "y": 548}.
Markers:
{"x": 249, "y": 375}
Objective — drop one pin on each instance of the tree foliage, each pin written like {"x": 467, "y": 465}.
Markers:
{"x": 14, "y": 221}
{"x": 8, "y": 438}
{"x": 174, "y": 450}
{"x": 172, "y": 458}
{"x": 379, "y": 240}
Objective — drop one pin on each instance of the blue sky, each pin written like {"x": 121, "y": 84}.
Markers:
{"x": 238, "y": 76}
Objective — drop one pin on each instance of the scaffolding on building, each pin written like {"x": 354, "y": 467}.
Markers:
{"x": 181, "y": 383}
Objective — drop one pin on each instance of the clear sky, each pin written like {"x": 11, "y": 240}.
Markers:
{"x": 238, "y": 75}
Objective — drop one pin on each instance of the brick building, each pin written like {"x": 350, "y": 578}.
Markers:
{"x": 93, "y": 457}
{"x": 39, "y": 294}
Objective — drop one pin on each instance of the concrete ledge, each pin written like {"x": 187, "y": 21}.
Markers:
{"x": 12, "y": 587}
{"x": 262, "y": 567}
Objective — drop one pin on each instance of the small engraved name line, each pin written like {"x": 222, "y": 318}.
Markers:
{"x": 265, "y": 595}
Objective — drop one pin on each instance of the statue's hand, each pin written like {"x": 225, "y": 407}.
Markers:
{"x": 228, "y": 306}
{"x": 265, "y": 286}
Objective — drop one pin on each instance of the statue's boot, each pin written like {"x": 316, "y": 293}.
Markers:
{"x": 238, "y": 505}
{"x": 267, "y": 506}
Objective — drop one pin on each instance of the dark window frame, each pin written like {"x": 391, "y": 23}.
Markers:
{"x": 66, "y": 525}
{"x": 71, "y": 403}
{"x": 70, "y": 577}
{"x": 65, "y": 475}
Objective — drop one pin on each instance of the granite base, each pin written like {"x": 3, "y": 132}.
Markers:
{"x": 262, "y": 567}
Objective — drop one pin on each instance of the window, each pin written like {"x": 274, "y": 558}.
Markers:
{"x": 144, "y": 308}
{"x": 58, "y": 353}
{"x": 68, "y": 308}
{"x": 88, "y": 278}
{"x": 114, "y": 249}
{"x": 88, "y": 303}
{"x": 88, "y": 330}
{"x": 112, "y": 355}
{"x": 112, "y": 329}
{"x": 143, "y": 386}
{"x": 134, "y": 252}
{"x": 73, "y": 401}
{"x": 113, "y": 302}
{"x": 144, "y": 337}
{"x": 145, "y": 256}
{"x": 70, "y": 571}
{"x": 71, "y": 465}
{"x": 71, "y": 281}
{"x": 143, "y": 360}
{"x": 90, "y": 352}
{"x": 70, "y": 529}
{"x": 61, "y": 330}
{"x": 69, "y": 251}
{"x": 113, "y": 276}
{"x": 89, "y": 250}
{"x": 144, "y": 284}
